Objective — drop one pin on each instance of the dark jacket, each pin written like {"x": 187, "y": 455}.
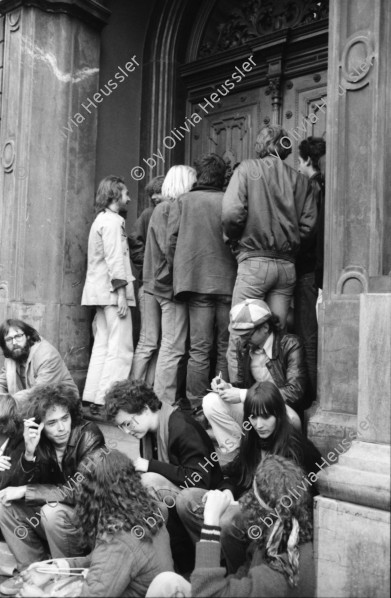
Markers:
{"x": 138, "y": 239}
{"x": 252, "y": 580}
{"x": 320, "y": 235}
{"x": 307, "y": 257}
{"x": 46, "y": 481}
{"x": 14, "y": 450}
{"x": 157, "y": 277}
{"x": 287, "y": 368}
{"x": 269, "y": 209}
{"x": 125, "y": 565}
{"x": 189, "y": 450}
{"x": 308, "y": 458}
{"x": 198, "y": 257}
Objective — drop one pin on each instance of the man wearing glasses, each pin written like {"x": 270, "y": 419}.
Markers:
{"x": 29, "y": 360}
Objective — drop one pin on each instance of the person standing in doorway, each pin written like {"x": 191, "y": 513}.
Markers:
{"x": 109, "y": 288}
{"x": 204, "y": 272}
{"x": 306, "y": 292}
{"x": 164, "y": 317}
{"x": 268, "y": 209}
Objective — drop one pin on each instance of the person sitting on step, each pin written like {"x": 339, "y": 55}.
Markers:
{"x": 278, "y": 520}
{"x": 263, "y": 353}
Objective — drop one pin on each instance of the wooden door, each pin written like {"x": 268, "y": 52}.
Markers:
{"x": 231, "y": 128}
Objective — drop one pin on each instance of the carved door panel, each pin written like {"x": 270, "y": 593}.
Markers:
{"x": 304, "y": 110}
{"x": 228, "y": 130}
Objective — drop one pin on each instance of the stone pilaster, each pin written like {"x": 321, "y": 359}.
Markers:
{"x": 351, "y": 424}
{"x": 352, "y": 515}
{"x": 47, "y": 146}
{"x": 357, "y": 244}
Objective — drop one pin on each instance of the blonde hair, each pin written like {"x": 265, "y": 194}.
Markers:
{"x": 268, "y": 142}
{"x": 179, "y": 179}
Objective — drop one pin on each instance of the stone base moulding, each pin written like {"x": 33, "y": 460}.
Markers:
{"x": 354, "y": 534}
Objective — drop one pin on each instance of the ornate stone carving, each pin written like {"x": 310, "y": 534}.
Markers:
{"x": 14, "y": 20}
{"x": 91, "y": 11}
{"x": 8, "y": 156}
{"x": 352, "y": 281}
{"x": 357, "y": 59}
{"x": 254, "y": 18}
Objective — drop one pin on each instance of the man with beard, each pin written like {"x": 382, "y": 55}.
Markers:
{"x": 29, "y": 360}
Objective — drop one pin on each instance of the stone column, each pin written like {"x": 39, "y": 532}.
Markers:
{"x": 352, "y": 515}
{"x": 47, "y": 145}
{"x": 358, "y": 176}
{"x": 351, "y": 424}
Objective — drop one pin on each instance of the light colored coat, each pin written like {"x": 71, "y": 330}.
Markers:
{"x": 44, "y": 366}
{"x": 108, "y": 260}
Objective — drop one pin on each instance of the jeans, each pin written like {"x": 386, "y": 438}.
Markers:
{"x": 272, "y": 280}
{"x": 167, "y": 493}
{"x": 207, "y": 314}
{"x": 234, "y": 539}
{"x": 306, "y": 326}
{"x": 162, "y": 489}
{"x": 112, "y": 353}
{"x": 26, "y": 529}
{"x": 147, "y": 370}
{"x": 170, "y": 320}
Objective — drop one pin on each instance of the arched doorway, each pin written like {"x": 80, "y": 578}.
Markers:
{"x": 216, "y": 72}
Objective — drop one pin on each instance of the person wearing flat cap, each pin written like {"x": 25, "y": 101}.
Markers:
{"x": 263, "y": 354}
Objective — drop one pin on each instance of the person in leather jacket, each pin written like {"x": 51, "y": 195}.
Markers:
{"x": 39, "y": 511}
{"x": 262, "y": 353}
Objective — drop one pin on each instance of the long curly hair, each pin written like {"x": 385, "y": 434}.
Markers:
{"x": 264, "y": 399}
{"x": 111, "y": 498}
{"x": 46, "y": 396}
{"x": 281, "y": 509}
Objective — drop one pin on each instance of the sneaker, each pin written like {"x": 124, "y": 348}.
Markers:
{"x": 12, "y": 586}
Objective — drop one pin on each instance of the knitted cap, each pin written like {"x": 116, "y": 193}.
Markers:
{"x": 249, "y": 314}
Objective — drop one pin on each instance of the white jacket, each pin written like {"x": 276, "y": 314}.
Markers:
{"x": 108, "y": 260}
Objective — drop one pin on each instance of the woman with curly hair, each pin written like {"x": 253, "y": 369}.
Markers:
{"x": 277, "y": 512}
{"x": 268, "y": 432}
{"x": 123, "y": 526}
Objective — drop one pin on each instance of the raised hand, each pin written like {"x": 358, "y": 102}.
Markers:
{"x": 32, "y": 434}
{"x": 216, "y": 504}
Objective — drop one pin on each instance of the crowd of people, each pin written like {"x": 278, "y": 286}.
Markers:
{"x": 223, "y": 279}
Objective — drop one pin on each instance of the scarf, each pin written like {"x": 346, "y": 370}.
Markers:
{"x": 162, "y": 432}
